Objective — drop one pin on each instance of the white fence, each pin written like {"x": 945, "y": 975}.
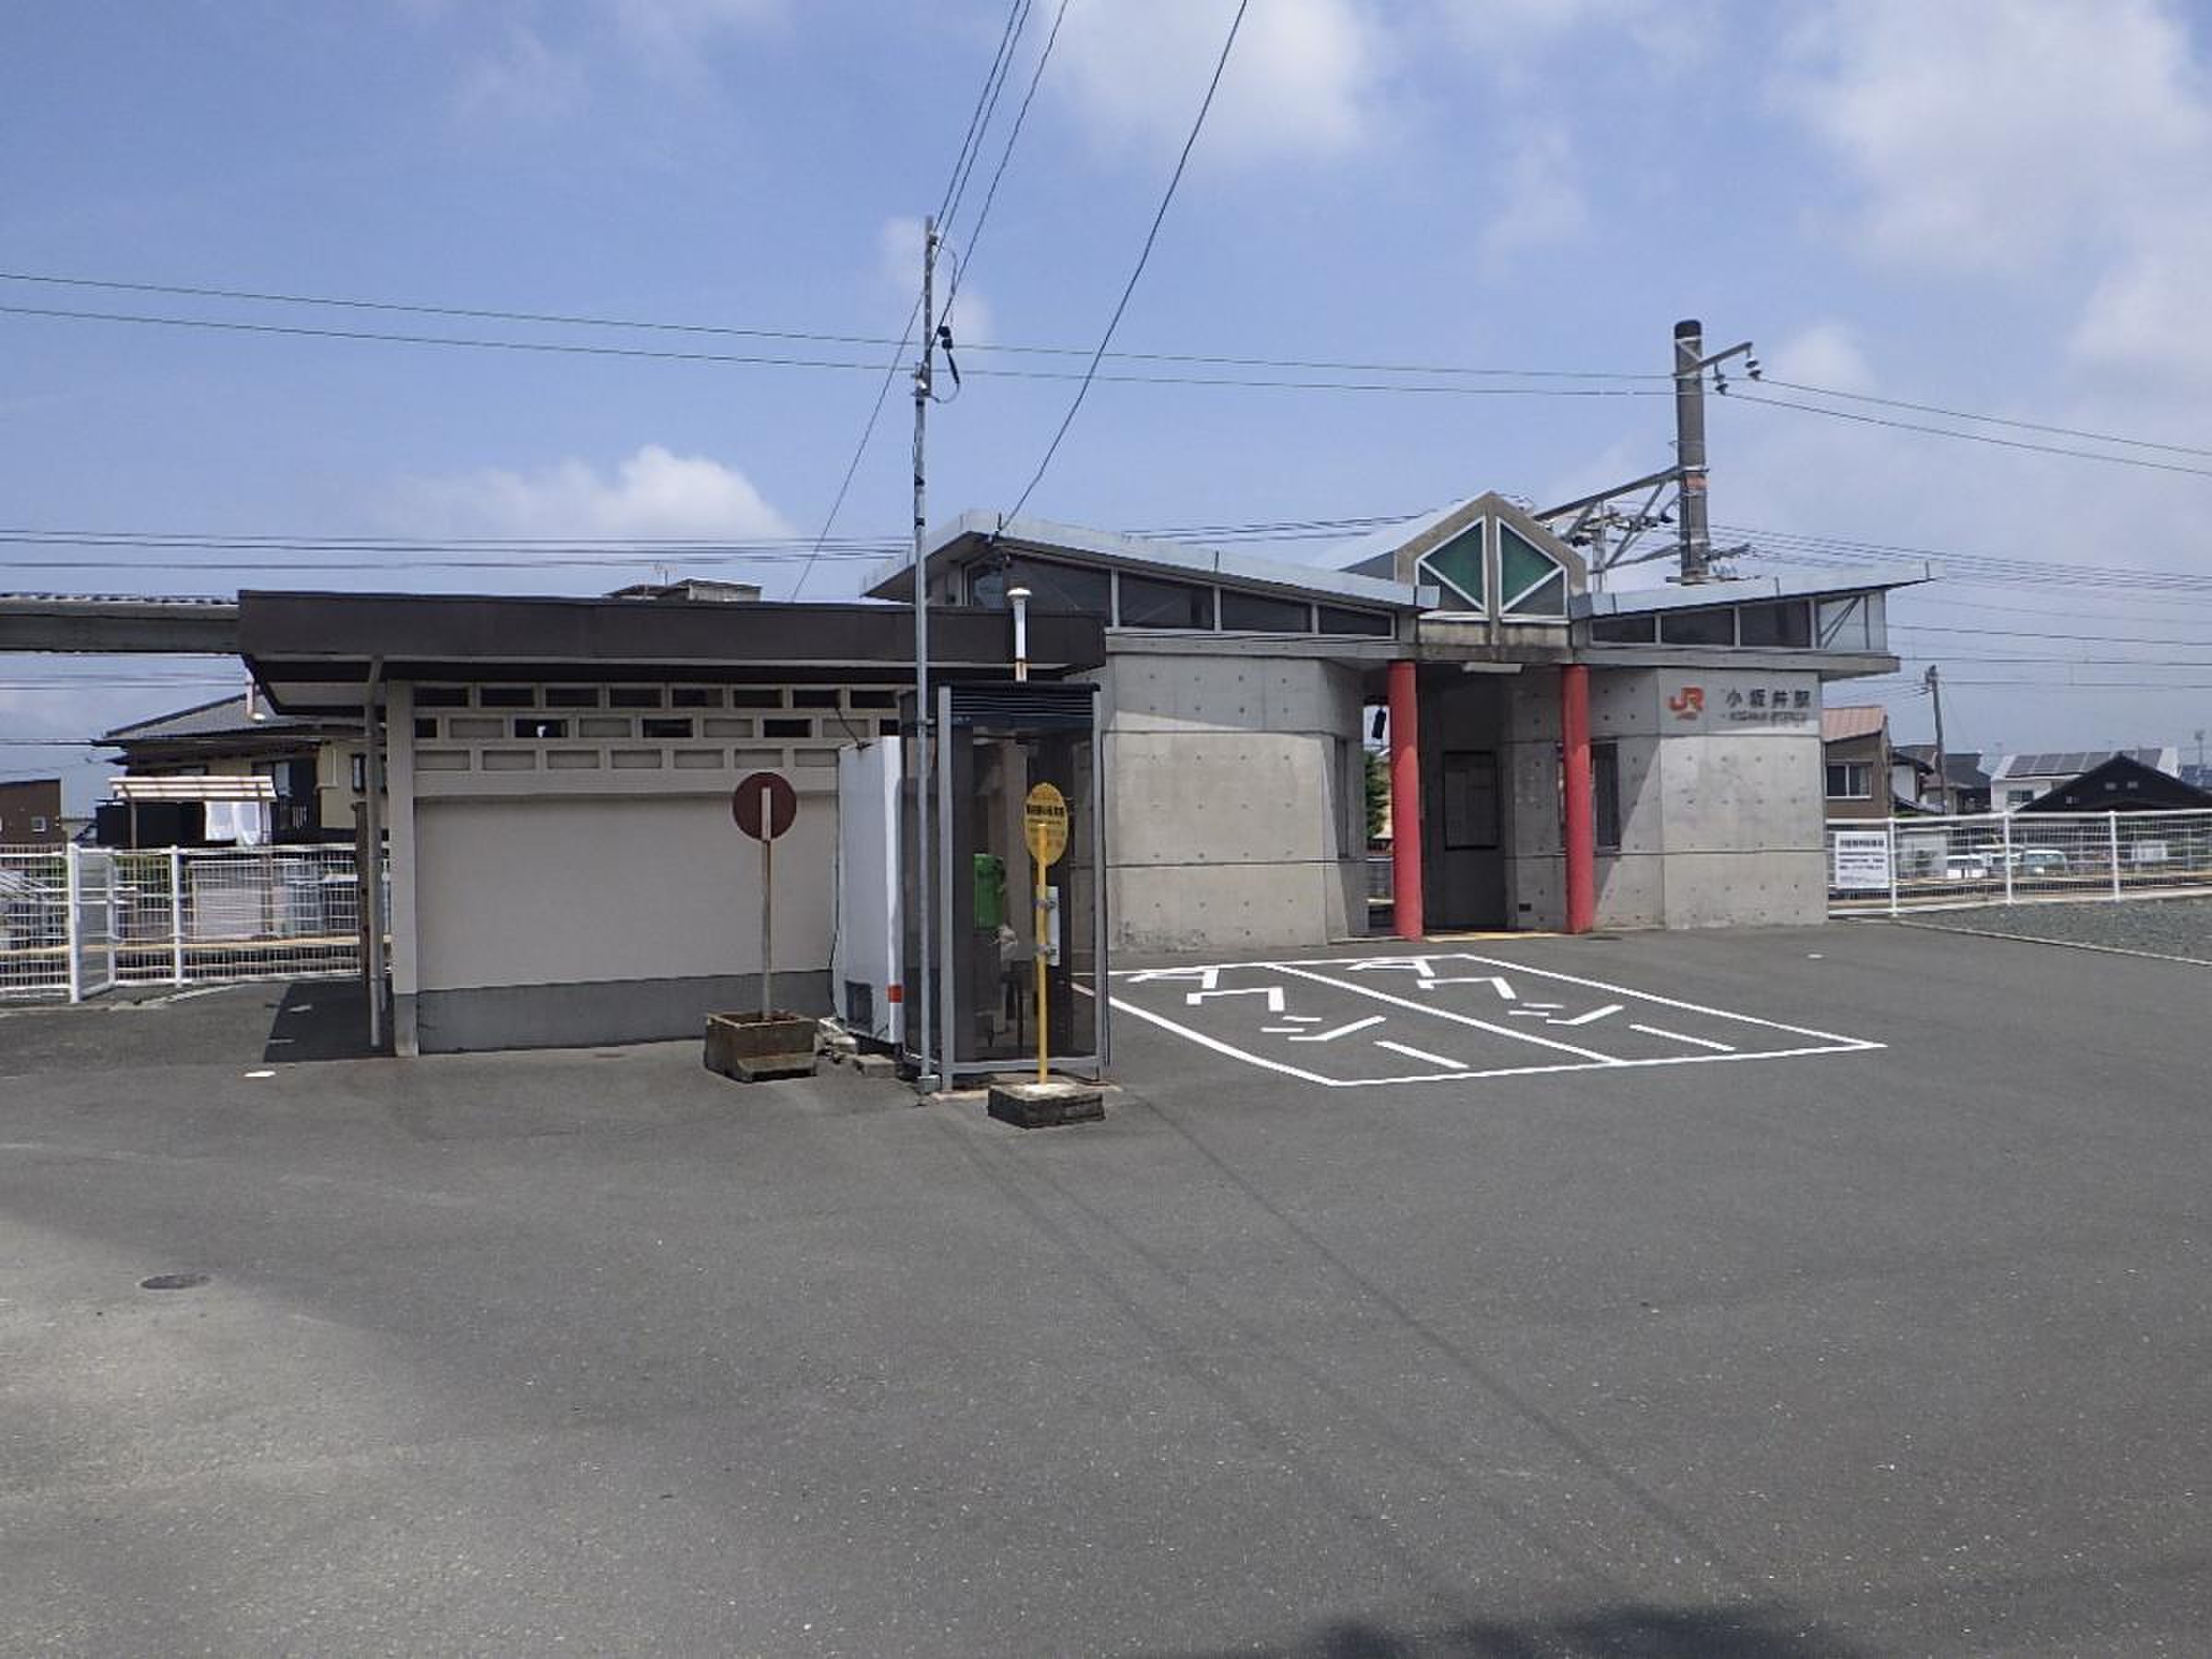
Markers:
{"x": 76, "y": 921}
{"x": 1891, "y": 865}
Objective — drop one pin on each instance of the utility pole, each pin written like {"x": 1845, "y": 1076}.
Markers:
{"x": 924, "y": 1012}
{"x": 1695, "y": 537}
{"x": 1943, "y": 766}
{"x": 1693, "y": 532}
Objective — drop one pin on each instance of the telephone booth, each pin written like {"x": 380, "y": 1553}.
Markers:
{"x": 995, "y": 742}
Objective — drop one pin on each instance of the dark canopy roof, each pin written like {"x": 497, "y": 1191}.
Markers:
{"x": 319, "y": 653}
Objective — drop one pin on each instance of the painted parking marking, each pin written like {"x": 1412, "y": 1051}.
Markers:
{"x": 1414, "y": 1053}
{"x": 1273, "y": 993}
{"x": 1593, "y": 1016}
{"x": 1342, "y": 1031}
{"x": 1305, "y": 1003}
{"x": 1385, "y": 996}
{"x": 1706, "y": 1043}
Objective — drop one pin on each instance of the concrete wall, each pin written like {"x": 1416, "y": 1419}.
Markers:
{"x": 1238, "y": 801}
{"x": 1720, "y": 805}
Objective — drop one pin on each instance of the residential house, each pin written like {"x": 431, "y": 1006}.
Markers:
{"x": 30, "y": 813}
{"x": 1855, "y": 747}
{"x": 1966, "y": 789}
{"x": 2016, "y": 780}
{"x": 2123, "y": 784}
{"x": 311, "y": 764}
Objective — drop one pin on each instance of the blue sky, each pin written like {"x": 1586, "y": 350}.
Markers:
{"x": 1995, "y": 205}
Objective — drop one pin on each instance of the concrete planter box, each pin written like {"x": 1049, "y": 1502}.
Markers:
{"x": 755, "y": 1047}
{"x": 1045, "y": 1105}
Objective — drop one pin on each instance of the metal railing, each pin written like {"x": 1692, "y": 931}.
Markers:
{"x": 1892, "y": 866}
{"x": 75, "y": 921}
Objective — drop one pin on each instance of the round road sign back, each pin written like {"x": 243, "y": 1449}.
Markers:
{"x": 764, "y": 804}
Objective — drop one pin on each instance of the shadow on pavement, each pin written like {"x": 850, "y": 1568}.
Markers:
{"x": 1629, "y": 1632}
{"x": 320, "y": 1019}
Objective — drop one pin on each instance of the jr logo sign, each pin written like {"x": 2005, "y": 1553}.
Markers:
{"x": 1689, "y": 702}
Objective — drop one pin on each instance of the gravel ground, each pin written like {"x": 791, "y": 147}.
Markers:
{"x": 2173, "y": 928}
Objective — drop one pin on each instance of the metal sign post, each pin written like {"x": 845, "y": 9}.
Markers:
{"x": 765, "y": 804}
{"x": 1045, "y": 828}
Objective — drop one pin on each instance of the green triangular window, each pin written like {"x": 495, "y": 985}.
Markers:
{"x": 1456, "y": 567}
{"x": 1533, "y": 584}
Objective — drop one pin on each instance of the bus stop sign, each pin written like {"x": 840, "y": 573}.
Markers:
{"x": 764, "y": 804}
{"x": 1044, "y": 824}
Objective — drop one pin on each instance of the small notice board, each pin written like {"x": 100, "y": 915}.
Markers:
{"x": 1861, "y": 859}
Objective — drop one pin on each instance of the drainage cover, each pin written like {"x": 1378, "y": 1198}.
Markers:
{"x": 173, "y": 1281}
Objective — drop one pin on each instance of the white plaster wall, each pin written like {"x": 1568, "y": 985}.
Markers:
{"x": 558, "y": 890}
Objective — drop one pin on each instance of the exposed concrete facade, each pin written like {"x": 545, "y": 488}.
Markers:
{"x": 1237, "y": 799}
{"x": 1720, "y": 821}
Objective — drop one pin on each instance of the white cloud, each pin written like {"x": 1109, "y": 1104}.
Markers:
{"x": 1541, "y": 197}
{"x": 1305, "y": 80}
{"x": 1825, "y": 354}
{"x": 653, "y": 493}
{"x": 2148, "y": 316}
{"x": 1989, "y": 136}
{"x": 899, "y": 247}
{"x": 675, "y": 35}
{"x": 544, "y": 68}
{"x": 1668, "y": 36}
{"x": 526, "y": 81}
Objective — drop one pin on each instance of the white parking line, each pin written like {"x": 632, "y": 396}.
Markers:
{"x": 1703, "y": 1042}
{"x": 1571, "y": 979}
{"x": 1449, "y": 1070}
{"x": 1467, "y": 1019}
{"x": 1414, "y": 1053}
{"x": 1342, "y": 1031}
{"x": 1594, "y": 1014}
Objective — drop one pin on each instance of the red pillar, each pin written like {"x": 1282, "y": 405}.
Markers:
{"x": 1405, "y": 802}
{"x": 1581, "y": 809}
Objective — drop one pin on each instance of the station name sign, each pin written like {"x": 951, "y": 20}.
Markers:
{"x": 1738, "y": 701}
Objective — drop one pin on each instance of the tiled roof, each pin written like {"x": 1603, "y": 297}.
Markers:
{"x": 1963, "y": 765}
{"x": 1853, "y": 720}
{"x": 223, "y": 718}
{"x": 2069, "y": 763}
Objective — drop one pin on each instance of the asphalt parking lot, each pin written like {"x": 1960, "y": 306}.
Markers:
{"x": 1836, "y": 1291}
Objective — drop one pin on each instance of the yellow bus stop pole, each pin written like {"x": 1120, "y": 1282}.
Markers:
{"x": 1044, "y": 1074}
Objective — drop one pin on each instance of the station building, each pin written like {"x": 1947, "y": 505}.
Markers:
{"x": 556, "y": 773}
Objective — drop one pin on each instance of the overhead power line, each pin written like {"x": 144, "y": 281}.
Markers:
{"x": 975, "y": 231}
{"x": 1143, "y": 257}
{"x": 2002, "y": 420}
{"x": 576, "y": 320}
{"x": 1988, "y": 438}
{"x": 1016, "y": 16}
{"x": 849, "y": 337}
{"x": 986, "y": 100}
{"x": 573, "y": 349}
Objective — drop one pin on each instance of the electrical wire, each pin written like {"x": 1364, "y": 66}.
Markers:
{"x": 1935, "y": 431}
{"x": 2002, "y": 420}
{"x": 1144, "y": 256}
{"x": 573, "y": 320}
{"x": 889, "y": 369}
{"x": 1006, "y": 155}
{"x": 1016, "y": 15}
